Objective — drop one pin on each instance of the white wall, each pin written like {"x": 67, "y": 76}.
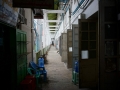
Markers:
{"x": 64, "y": 25}
{"x": 46, "y": 36}
{"x": 91, "y": 9}
{"x": 61, "y": 30}
{"x": 52, "y": 34}
{"x": 66, "y": 21}
{"x": 27, "y": 29}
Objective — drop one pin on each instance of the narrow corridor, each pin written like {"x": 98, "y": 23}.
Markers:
{"x": 59, "y": 77}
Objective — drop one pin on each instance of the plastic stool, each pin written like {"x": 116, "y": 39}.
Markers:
{"x": 33, "y": 81}
{"x": 26, "y": 84}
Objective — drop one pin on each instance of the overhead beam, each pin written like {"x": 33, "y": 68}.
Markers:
{"x": 53, "y": 21}
{"x": 53, "y": 29}
{"x": 54, "y": 11}
{"x": 53, "y": 26}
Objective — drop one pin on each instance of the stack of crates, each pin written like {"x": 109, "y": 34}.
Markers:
{"x": 75, "y": 74}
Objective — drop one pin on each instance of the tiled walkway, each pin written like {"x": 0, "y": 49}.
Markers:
{"x": 59, "y": 77}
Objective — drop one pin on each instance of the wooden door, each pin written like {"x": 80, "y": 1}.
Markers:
{"x": 60, "y": 46}
{"x": 64, "y": 47}
{"x": 109, "y": 45}
{"x": 88, "y": 51}
{"x": 69, "y": 48}
{"x": 74, "y": 44}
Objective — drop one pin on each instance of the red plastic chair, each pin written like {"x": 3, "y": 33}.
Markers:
{"x": 26, "y": 84}
{"x": 30, "y": 77}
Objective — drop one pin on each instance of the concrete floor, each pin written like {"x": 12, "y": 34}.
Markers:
{"x": 59, "y": 77}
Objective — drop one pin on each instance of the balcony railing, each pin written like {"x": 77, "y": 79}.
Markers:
{"x": 82, "y": 5}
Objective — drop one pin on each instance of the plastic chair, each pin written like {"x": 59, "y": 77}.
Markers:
{"x": 40, "y": 69}
{"x": 41, "y": 64}
{"x": 31, "y": 77}
{"x": 26, "y": 85}
{"x": 37, "y": 74}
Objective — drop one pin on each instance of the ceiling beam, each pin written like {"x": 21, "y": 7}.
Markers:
{"x": 54, "y": 11}
{"x": 53, "y": 26}
{"x": 53, "y": 29}
{"x": 53, "y": 21}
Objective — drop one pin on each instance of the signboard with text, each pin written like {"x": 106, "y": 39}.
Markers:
{"x": 8, "y": 14}
{"x": 41, "y": 4}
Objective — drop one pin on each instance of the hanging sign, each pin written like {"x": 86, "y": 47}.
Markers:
{"x": 41, "y": 4}
{"x": 8, "y": 14}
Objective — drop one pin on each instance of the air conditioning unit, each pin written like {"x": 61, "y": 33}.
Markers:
{"x": 22, "y": 12}
{"x": 22, "y": 19}
{"x": 38, "y": 11}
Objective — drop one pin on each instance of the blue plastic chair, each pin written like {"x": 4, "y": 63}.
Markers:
{"x": 41, "y": 64}
{"x": 40, "y": 69}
